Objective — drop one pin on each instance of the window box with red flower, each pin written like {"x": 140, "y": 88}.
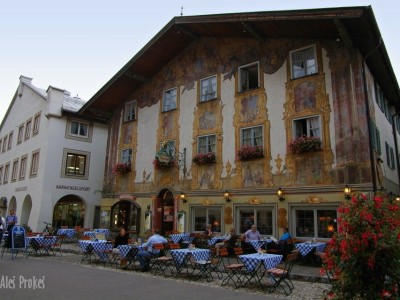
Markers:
{"x": 122, "y": 168}
{"x": 161, "y": 165}
{"x": 250, "y": 152}
{"x": 204, "y": 158}
{"x": 305, "y": 144}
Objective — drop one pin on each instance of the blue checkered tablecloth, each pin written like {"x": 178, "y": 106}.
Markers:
{"x": 124, "y": 249}
{"x": 251, "y": 261}
{"x": 98, "y": 246}
{"x": 67, "y": 232}
{"x": 258, "y": 244}
{"x": 180, "y": 254}
{"x": 102, "y": 230}
{"x": 42, "y": 241}
{"x": 185, "y": 237}
{"x": 89, "y": 233}
{"x": 305, "y": 248}
{"x": 216, "y": 239}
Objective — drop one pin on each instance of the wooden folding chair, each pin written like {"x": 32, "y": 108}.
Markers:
{"x": 234, "y": 270}
{"x": 281, "y": 276}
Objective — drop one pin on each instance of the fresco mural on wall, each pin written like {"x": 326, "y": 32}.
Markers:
{"x": 206, "y": 178}
{"x": 309, "y": 169}
{"x": 167, "y": 125}
{"x": 127, "y": 133}
{"x": 252, "y": 175}
{"x": 207, "y": 121}
{"x": 249, "y": 108}
{"x": 304, "y": 96}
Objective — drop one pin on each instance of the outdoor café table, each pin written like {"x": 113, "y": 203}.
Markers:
{"x": 181, "y": 257}
{"x": 89, "y": 233}
{"x": 258, "y": 244}
{"x": 185, "y": 237}
{"x": 99, "y": 247}
{"x": 124, "y": 249}
{"x": 216, "y": 239}
{"x": 102, "y": 230}
{"x": 67, "y": 232}
{"x": 306, "y": 250}
{"x": 41, "y": 243}
{"x": 252, "y": 261}
{"x": 307, "y": 247}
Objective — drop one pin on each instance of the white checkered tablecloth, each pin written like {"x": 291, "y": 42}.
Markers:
{"x": 67, "y": 232}
{"x": 45, "y": 242}
{"x": 180, "y": 236}
{"x": 305, "y": 248}
{"x": 216, "y": 239}
{"x": 251, "y": 261}
{"x": 124, "y": 249}
{"x": 180, "y": 254}
{"x": 257, "y": 244}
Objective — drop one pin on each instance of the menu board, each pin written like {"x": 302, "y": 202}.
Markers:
{"x": 18, "y": 237}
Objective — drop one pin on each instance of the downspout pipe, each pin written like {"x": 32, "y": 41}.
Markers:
{"x": 371, "y": 148}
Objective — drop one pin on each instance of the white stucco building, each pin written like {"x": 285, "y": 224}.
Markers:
{"x": 51, "y": 159}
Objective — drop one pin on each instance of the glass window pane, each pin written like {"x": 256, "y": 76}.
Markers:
{"x": 200, "y": 218}
{"x": 305, "y": 223}
{"x": 326, "y": 223}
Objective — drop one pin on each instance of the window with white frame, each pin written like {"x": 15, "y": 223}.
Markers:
{"x": 318, "y": 222}
{"x": 204, "y": 215}
{"x": 10, "y": 140}
{"x": 1, "y": 174}
{"x": 261, "y": 216}
{"x": 206, "y": 144}
{"x": 5, "y": 144}
{"x": 208, "y": 88}
{"x": 36, "y": 124}
{"x": 79, "y": 128}
{"x": 252, "y": 136}
{"x": 6, "y": 172}
{"x": 126, "y": 156}
{"x": 14, "y": 172}
{"x": 22, "y": 168}
{"x": 169, "y": 100}
{"x": 75, "y": 164}
{"x": 20, "y": 134}
{"x": 28, "y": 126}
{"x": 249, "y": 77}
{"x": 35, "y": 163}
{"x": 304, "y": 62}
{"x": 310, "y": 126}
{"x": 130, "y": 111}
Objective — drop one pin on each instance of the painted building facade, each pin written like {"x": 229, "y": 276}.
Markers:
{"x": 217, "y": 113}
{"x": 48, "y": 159}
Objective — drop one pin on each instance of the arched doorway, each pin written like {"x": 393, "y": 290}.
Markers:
{"x": 165, "y": 208}
{"x": 69, "y": 211}
{"x": 12, "y": 204}
{"x": 125, "y": 213}
{"x": 26, "y": 210}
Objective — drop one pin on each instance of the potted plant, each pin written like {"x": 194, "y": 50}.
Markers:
{"x": 249, "y": 152}
{"x": 204, "y": 158}
{"x": 122, "y": 168}
{"x": 161, "y": 165}
{"x": 305, "y": 144}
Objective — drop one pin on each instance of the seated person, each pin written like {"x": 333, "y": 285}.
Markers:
{"x": 144, "y": 255}
{"x": 228, "y": 242}
{"x": 121, "y": 239}
{"x": 281, "y": 245}
{"x": 251, "y": 235}
{"x": 208, "y": 233}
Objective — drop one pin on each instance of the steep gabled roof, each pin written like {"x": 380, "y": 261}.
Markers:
{"x": 355, "y": 26}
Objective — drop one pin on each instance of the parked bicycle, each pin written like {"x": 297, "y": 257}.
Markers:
{"x": 49, "y": 229}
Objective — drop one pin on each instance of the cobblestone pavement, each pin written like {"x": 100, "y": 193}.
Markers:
{"x": 303, "y": 289}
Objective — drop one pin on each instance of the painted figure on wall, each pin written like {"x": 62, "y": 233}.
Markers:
{"x": 249, "y": 108}
{"x": 207, "y": 121}
{"x": 304, "y": 96}
{"x": 253, "y": 176}
{"x": 206, "y": 178}
{"x": 168, "y": 125}
{"x": 127, "y": 135}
